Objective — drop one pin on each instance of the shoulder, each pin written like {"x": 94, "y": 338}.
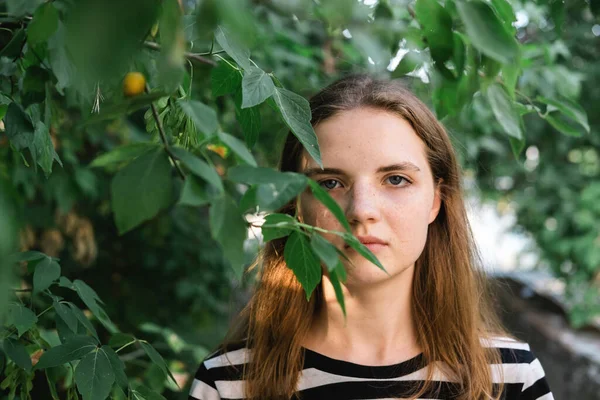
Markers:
{"x": 520, "y": 370}
{"x": 220, "y": 372}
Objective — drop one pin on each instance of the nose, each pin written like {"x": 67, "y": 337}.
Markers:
{"x": 362, "y": 206}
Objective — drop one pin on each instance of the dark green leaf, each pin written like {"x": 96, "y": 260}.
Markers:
{"x": 249, "y": 119}
{"x": 157, "y": 359}
{"x": 238, "y": 147}
{"x": 257, "y": 175}
{"x": 506, "y": 114}
{"x": 506, "y": 14}
{"x": 124, "y": 153}
{"x": 43, "y": 24}
{"x": 229, "y": 229}
{"x": 17, "y": 352}
{"x": 43, "y": 148}
{"x": 14, "y": 47}
{"x": 204, "y": 117}
{"x": 194, "y": 193}
{"x": 199, "y": 168}
{"x": 301, "y": 259}
{"x": 94, "y": 376}
{"x": 19, "y": 128}
{"x": 224, "y": 79}
{"x": 281, "y": 225}
{"x": 119, "y": 340}
{"x": 83, "y": 320}
{"x": 21, "y": 317}
{"x": 437, "y": 27}
{"x": 325, "y": 250}
{"x": 409, "y": 62}
{"x": 75, "y": 348}
{"x": 117, "y": 365}
{"x": 486, "y": 31}
{"x": 324, "y": 197}
{"x": 563, "y": 124}
{"x": 141, "y": 189}
{"x": 91, "y": 300}
{"x": 27, "y": 256}
{"x": 362, "y": 249}
{"x": 272, "y": 196}
{"x": 257, "y": 86}
{"x": 66, "y": 313}
{"x": 295, "y": 111}
{"x": 232, "y": 47}
{"x": 46, "y": 272}
{"x": 517, "y": 146}
{"x": 141, "y": 392}
{"x": 61, "y": 64}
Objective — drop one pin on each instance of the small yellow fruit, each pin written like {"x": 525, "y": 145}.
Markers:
{"x": 220, "y": 150}
{"x": 134, "y": 84}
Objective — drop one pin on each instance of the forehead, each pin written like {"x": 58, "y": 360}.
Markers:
{"x": 367, "y": 138}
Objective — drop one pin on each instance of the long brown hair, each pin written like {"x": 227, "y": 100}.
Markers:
{"x": 451, "y": 309}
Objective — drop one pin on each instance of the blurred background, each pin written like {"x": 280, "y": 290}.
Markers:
{"x": 516, "y": 84}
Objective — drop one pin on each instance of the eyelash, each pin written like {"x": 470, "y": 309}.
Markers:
{"x": 391, "y": 176}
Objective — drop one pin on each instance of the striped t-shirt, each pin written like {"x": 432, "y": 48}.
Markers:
{"x": 325, "y": 378}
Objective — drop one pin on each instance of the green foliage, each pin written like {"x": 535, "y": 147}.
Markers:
{"x": 147, "y": 197}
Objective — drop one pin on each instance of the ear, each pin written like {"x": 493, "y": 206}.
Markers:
{"x": 437, "y": 201}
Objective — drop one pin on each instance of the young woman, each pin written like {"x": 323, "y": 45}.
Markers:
{"x": 425, "y": 330}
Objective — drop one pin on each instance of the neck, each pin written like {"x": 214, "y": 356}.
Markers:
{"x": 378, "y": 329}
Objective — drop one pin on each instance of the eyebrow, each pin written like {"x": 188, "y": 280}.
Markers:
{"x": 403, "y": 166}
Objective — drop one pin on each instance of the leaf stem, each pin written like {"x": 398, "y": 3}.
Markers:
{"x": 163, "y": 137}
{"x": 128, "y": 344}
{"x": 191, "y": 56}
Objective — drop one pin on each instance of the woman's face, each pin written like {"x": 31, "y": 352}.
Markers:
{"x": 376, "y": 169}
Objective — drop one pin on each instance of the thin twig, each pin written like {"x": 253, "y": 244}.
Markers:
{"x": 188, "y": 55}
{"x": 163, "y": 137}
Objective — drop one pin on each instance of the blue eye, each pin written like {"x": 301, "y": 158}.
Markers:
{"x": 396, "y": 179}
{"x": 328, "y": 183}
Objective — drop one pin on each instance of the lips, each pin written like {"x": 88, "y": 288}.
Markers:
{"x": 372, "y": 242}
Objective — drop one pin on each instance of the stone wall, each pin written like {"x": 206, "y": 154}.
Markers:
{"x": 571, "y": 359}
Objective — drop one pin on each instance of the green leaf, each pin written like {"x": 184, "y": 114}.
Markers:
{"x": 94, "y": 376}
{"x": 118, "y": 366}
{"x": 325, "y": 250}
{"x": 225, "y": 79}
{"x": 563, "y": 124}
{"x": 66, "y": 313}
{"x": 43, "y": 148}
{"x": 257, "y": 86}
{"x": 75, "y": 348}
{"x": 328, "y": 201}
{"x": 487, "y": 32}
{"x": 17, "y": 352}
{"x": 337, "y": 287}
{"x": 43, "y": 24}
{"x": 19, "y": 8}
{"x": 157, "y": 359}
{"x": 281, "y": 225}
{"x": 204, "y": 117}
{"x": 61, "y": 64}
{"x": 301, "y": 259}
{"x": 91, "y": 300}
{"x": 238, "y": 147}
{"x": 257, "y": 175}
{"x": 141, "y": 392}
{"x": 46, "y": 272}
{"x": 18, "y": 127}
{"x": 249, "y": 119}
{"x": 141, "y": 189}
{"x": 362, "y": 249}
{"x": 229, "y": 229}
{"x": 569, "y": 108}
{"x": 506, "y": 14}
{"x": 83, "y": 320}
{"x": 14, "y": 47}
{"x": 21, "y": 317}
{"x": 295, "y": 111}
{"x": 232, "y": 47}
{"x": 27, "y": 256}
{"x": 124, "y": 153}
{"x": 199, "y": 168}
{"x": 436, "y": 25}
{"x": 193, "y": 193}
{"x": 517, "y": 146}
{"x": 504, "y": 110}
{"x": 409, "y": 63}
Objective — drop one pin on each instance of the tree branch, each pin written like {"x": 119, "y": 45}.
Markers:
{"x": 190, "y": 56}
{"x": 163, "y": 136}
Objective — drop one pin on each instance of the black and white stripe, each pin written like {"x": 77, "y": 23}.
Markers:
{"x": 219, "y": 376}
